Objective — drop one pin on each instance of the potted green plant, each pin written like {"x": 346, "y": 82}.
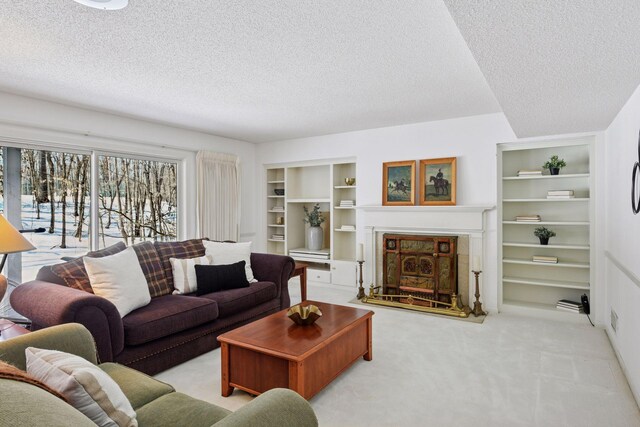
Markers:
{"x": 315, "y": 234}
{"x": 554, "y": 164}
{"x": 543, "y": 233}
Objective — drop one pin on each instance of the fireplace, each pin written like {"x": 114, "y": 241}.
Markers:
{"x": 420, "y": 266}
{"x": 464, "y": 225}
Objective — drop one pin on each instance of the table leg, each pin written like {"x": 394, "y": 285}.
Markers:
{"x": 369, "y": 354}
{"x": 224, "y": 361}
{"x": 303, "y": 284}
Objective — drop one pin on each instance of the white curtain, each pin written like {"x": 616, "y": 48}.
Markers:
{"x": 218, "y": 195}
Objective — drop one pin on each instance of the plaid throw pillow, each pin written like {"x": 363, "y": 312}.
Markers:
{"x": 186, "y": 249}
{"x": 73, "y": 273}
{"x": 152, "y": 269}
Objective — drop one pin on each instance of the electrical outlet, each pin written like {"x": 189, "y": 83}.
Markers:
{"x": 614, "y": 321}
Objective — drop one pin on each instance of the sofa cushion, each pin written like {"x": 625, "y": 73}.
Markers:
{"x": 72, "y": 273}
{"x": 119, "y": 279}
{"x": 177, "y": 409}
{"x": 215, "y": 278}
{"x": 139, "y": 388}
{"x": 153, "y": 269}
{"x": 185, "y": 249}
{"x": 233, "y": 301}
{"x": 83, "y": 384}
{"x": 165, "y": 316}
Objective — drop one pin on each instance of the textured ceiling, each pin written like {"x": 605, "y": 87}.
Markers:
{"x": 252, "y": 70}
{"x": 555, "y": 66}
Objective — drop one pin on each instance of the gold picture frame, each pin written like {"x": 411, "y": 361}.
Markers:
{"x": 398, "y": 183}
{"x": 438, "y": 182}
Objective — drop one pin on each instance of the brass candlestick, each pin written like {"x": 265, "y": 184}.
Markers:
{"x": 360, "y": 288}
{"x": 477, "y": 305}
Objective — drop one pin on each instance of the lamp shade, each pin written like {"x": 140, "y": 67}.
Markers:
{"x": 11, "y": 240}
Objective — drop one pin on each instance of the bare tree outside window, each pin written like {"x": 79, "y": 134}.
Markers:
{"x": 137, "y": 200}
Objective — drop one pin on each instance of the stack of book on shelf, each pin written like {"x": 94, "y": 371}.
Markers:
{"x": 277, "y": 236}
{"x": 278, "y": 208}
{"x": 322, "y": 254}
{"x": 545, "y": 259}
{"x": 560, "y": 194}
{"x": 528, "y": 218}
{"x": 529, "y": 172}
{"x": 347, "y": 203}
{"x": 348, "y": 227}
{"x": 566, "y": 305}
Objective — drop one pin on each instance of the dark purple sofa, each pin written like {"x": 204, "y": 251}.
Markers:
{"x": 171, "y": 329}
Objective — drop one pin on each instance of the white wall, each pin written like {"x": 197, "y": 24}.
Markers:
{"x": 472, "y": 140}
{"x": 28, "y": 119}
{"x": 622, "y": 270}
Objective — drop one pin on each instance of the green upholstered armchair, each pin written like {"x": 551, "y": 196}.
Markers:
{"x": 156, "y": 403}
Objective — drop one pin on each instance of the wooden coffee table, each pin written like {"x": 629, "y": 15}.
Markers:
{"x": 274, "y": 352}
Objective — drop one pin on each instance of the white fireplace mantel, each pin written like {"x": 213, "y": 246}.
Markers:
{"x": 455, "y": 220}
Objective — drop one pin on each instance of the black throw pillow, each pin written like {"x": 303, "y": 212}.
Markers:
{"x": 215, "y": 278}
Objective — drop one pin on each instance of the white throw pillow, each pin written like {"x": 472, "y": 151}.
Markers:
{"x": 230, "y": 253}
{"x": 184, "y": 273}
{"x": 119, "y": 278}
{"x": 85, "y": 386}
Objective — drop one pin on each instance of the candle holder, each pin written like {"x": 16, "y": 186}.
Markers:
{"x": 477, "y": 305}
{"x": 360, "y": 288}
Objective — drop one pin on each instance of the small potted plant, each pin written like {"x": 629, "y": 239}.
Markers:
{"x": 543, "y": 233}
{"x": 315, "y": 234}
{"x": 554, "y": 164}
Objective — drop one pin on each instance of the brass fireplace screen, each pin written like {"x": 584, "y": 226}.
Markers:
{"x": 420, "y": 273}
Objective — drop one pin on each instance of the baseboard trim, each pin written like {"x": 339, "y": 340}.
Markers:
{"x": 636, "y": 395}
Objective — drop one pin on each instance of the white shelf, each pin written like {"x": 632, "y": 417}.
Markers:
{"x": 571, "y": 175}
{"x": 272, "y": 211}
{"x": 275, "y": 240}
{"x": 546, "y": 264}
{"x": 548, "y": 283}
{"x": 339, "y": 187}
{"x": 344, "y": 231}
{"x": 547, "y": 223}
{"x": 309, "y": 200}
{"x": 343, "y": 207}
{"x": 539, "y": 246}
{"x": 275, "y": 197}
{"x": 575, "y": 199}
{"x": 276, "y": 225}
{"x": 276, "y": 182}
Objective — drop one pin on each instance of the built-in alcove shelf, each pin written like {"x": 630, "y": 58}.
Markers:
{"x": 534, "y": 288}
{"x": 549, "y": 246}
{"x": 549, "y": 283}
{"x": 546, "y": 264}
{"x": 562, "y": 176}
{"x": 541, "y": 200}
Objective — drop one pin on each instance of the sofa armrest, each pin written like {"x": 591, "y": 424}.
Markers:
{"x": 47, "y": 304}
{"x": 277, "y": 407}
{"x": 276, "y": 269}
{"x": 71, "y": 338}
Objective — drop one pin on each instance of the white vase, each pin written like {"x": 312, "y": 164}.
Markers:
{"x": 315, "y": 237}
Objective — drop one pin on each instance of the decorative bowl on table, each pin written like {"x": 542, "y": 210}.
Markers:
{"x": 279, "y": 191}
{"x": 349, "y": 181}
{"x": 304, "y": 315}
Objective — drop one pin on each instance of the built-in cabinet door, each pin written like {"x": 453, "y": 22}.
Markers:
{"x": 344, "y": 273}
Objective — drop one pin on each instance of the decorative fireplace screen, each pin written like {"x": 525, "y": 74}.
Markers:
{"x": 424, "y": 266}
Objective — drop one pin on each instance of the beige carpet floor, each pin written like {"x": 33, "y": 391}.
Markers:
{"x": 434, "y": 371}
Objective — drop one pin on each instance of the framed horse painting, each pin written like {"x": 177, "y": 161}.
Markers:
{"x": 398, "y": 183}
{"x": 438, "y": 181}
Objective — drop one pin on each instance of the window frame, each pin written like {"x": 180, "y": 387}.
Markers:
{"x": 179, "y": 157}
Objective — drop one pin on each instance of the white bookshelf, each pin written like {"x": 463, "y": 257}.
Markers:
{"x": 306, "y": 184}
{"x": 532, "y": 287}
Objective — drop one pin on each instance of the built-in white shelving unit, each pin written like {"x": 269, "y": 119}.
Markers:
{"x": 534, "y": 287}
{"x": 306, "y": 184}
